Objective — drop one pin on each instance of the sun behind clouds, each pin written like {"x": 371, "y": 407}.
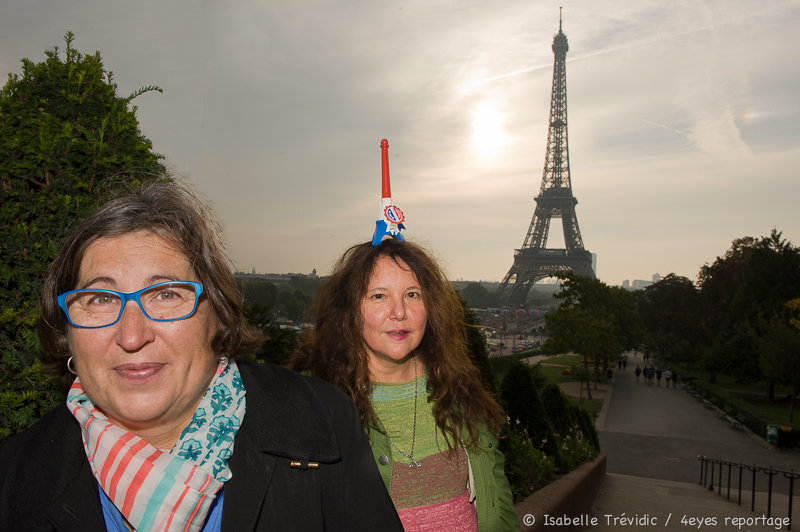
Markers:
{"x": 489, "y": 136}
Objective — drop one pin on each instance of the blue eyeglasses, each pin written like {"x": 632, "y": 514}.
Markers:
{"x": 93, "y": 308}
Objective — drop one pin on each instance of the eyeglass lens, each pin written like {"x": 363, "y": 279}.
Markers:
{"x": 173, "y": 301}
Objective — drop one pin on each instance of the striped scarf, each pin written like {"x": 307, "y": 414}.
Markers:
{"x": 158, "y": 490}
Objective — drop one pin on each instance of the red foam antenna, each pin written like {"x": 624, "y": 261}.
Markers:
{"x": 386, "y": 190}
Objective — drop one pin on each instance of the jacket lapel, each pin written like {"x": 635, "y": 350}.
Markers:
{"x": 285, "y": 416}
{"x": 244, "y": 494}
{"x": 78, "y": 508}
{"x": 284, "y": 419}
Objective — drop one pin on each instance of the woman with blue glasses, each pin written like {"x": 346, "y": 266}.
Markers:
{"x": 162, "y": 428}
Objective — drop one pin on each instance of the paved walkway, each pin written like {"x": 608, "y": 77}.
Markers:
{"x": 658, "y": 432}
{"x": 652, "y": 436}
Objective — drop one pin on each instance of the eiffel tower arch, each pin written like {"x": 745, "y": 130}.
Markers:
{"x": 534, "y": 261}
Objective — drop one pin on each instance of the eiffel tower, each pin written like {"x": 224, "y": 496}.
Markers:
{"x": 534, "y": 260}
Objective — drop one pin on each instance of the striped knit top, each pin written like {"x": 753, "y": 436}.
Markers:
{"x": 433, "y": 496}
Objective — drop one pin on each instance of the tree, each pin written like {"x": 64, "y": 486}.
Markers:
{"x": 279, "y": 344}
{"x": 576, "y": 436}
{"x": 293, "y": 304}
{"x": 794, "y": 308}
{"x": 719, "y": 283}
{"x": 594, "y": 320}
{"x": 720, "y": 280}
{"x": 66, "y": 140}
{"x": 305, "y": 283}
{"x": 573, "y": 329}
{"x": 259, "y": 291}
{"x": 778, "y": 343}
{"x": 752, "y": 281}
{"x": 525, "y": 412}
{"x": 476, "y": 295}
{"x": 673, "y": 313}
{"x": 772, "y": 276}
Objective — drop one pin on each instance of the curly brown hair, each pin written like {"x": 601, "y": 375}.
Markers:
{"x": 171, "y": 211}
{"x": 335, "y": 350}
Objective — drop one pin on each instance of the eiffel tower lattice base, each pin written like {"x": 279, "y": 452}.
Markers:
{"x": 532, "y": 265}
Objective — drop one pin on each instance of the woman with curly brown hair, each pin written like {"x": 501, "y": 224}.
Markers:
{"x": 389, "y": 330}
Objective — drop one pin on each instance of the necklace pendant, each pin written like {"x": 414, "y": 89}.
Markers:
{"x": 414, "y": 463}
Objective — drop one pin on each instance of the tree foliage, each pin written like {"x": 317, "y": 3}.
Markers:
{"x": 672, "y": 310}
{"x": 573, "y": 429}
{"x": 307, "y": 284}
{"x": 520, "y": 397}
{"x": 778, "y": 345}
{"x": 794, "y": 312}
{"x": 279, "y": 343}
{"x": 593, "y": 320}
{"x": 66, "y": 140}
{"x": 477, "y": 296}
{"x": 527, "y": 468}
{"x": 293, "y": 303}
{"x": 258, "y": 292}
{"x": 753, "y": 281}
{"x": 741, "y": 319}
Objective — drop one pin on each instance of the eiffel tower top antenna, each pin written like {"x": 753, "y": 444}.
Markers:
{"x": 559, "y": 19}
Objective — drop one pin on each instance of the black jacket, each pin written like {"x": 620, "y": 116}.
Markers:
{"x": 46, "y": 482}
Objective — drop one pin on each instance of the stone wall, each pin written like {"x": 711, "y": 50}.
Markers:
{"x": 571, "y": 495}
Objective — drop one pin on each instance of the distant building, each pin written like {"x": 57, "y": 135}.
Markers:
{"x": 274, "y": 277}
{"x": 639, "y": 284}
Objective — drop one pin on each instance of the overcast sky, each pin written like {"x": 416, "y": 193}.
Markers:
{"x": 684, "y": 119}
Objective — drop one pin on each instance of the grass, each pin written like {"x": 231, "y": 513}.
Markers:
{"x": 555, "y": 374}
{"x": 593, "y": 406}
{"x": 751, "y": 397}
{"x": 566, "y": 360}
{"x": 560, "y": 368}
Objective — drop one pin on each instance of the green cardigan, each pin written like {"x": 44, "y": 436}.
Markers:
{"x": 488, "y": 486}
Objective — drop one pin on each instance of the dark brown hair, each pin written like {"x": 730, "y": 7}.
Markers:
{"x": 171, "y": 211}
{"x": 335, "y": 349}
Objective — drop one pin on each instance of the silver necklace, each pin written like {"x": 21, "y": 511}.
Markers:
{"x": 410, "y": 456}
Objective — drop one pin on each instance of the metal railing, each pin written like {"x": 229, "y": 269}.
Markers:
{"x": 707, "y": 479}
